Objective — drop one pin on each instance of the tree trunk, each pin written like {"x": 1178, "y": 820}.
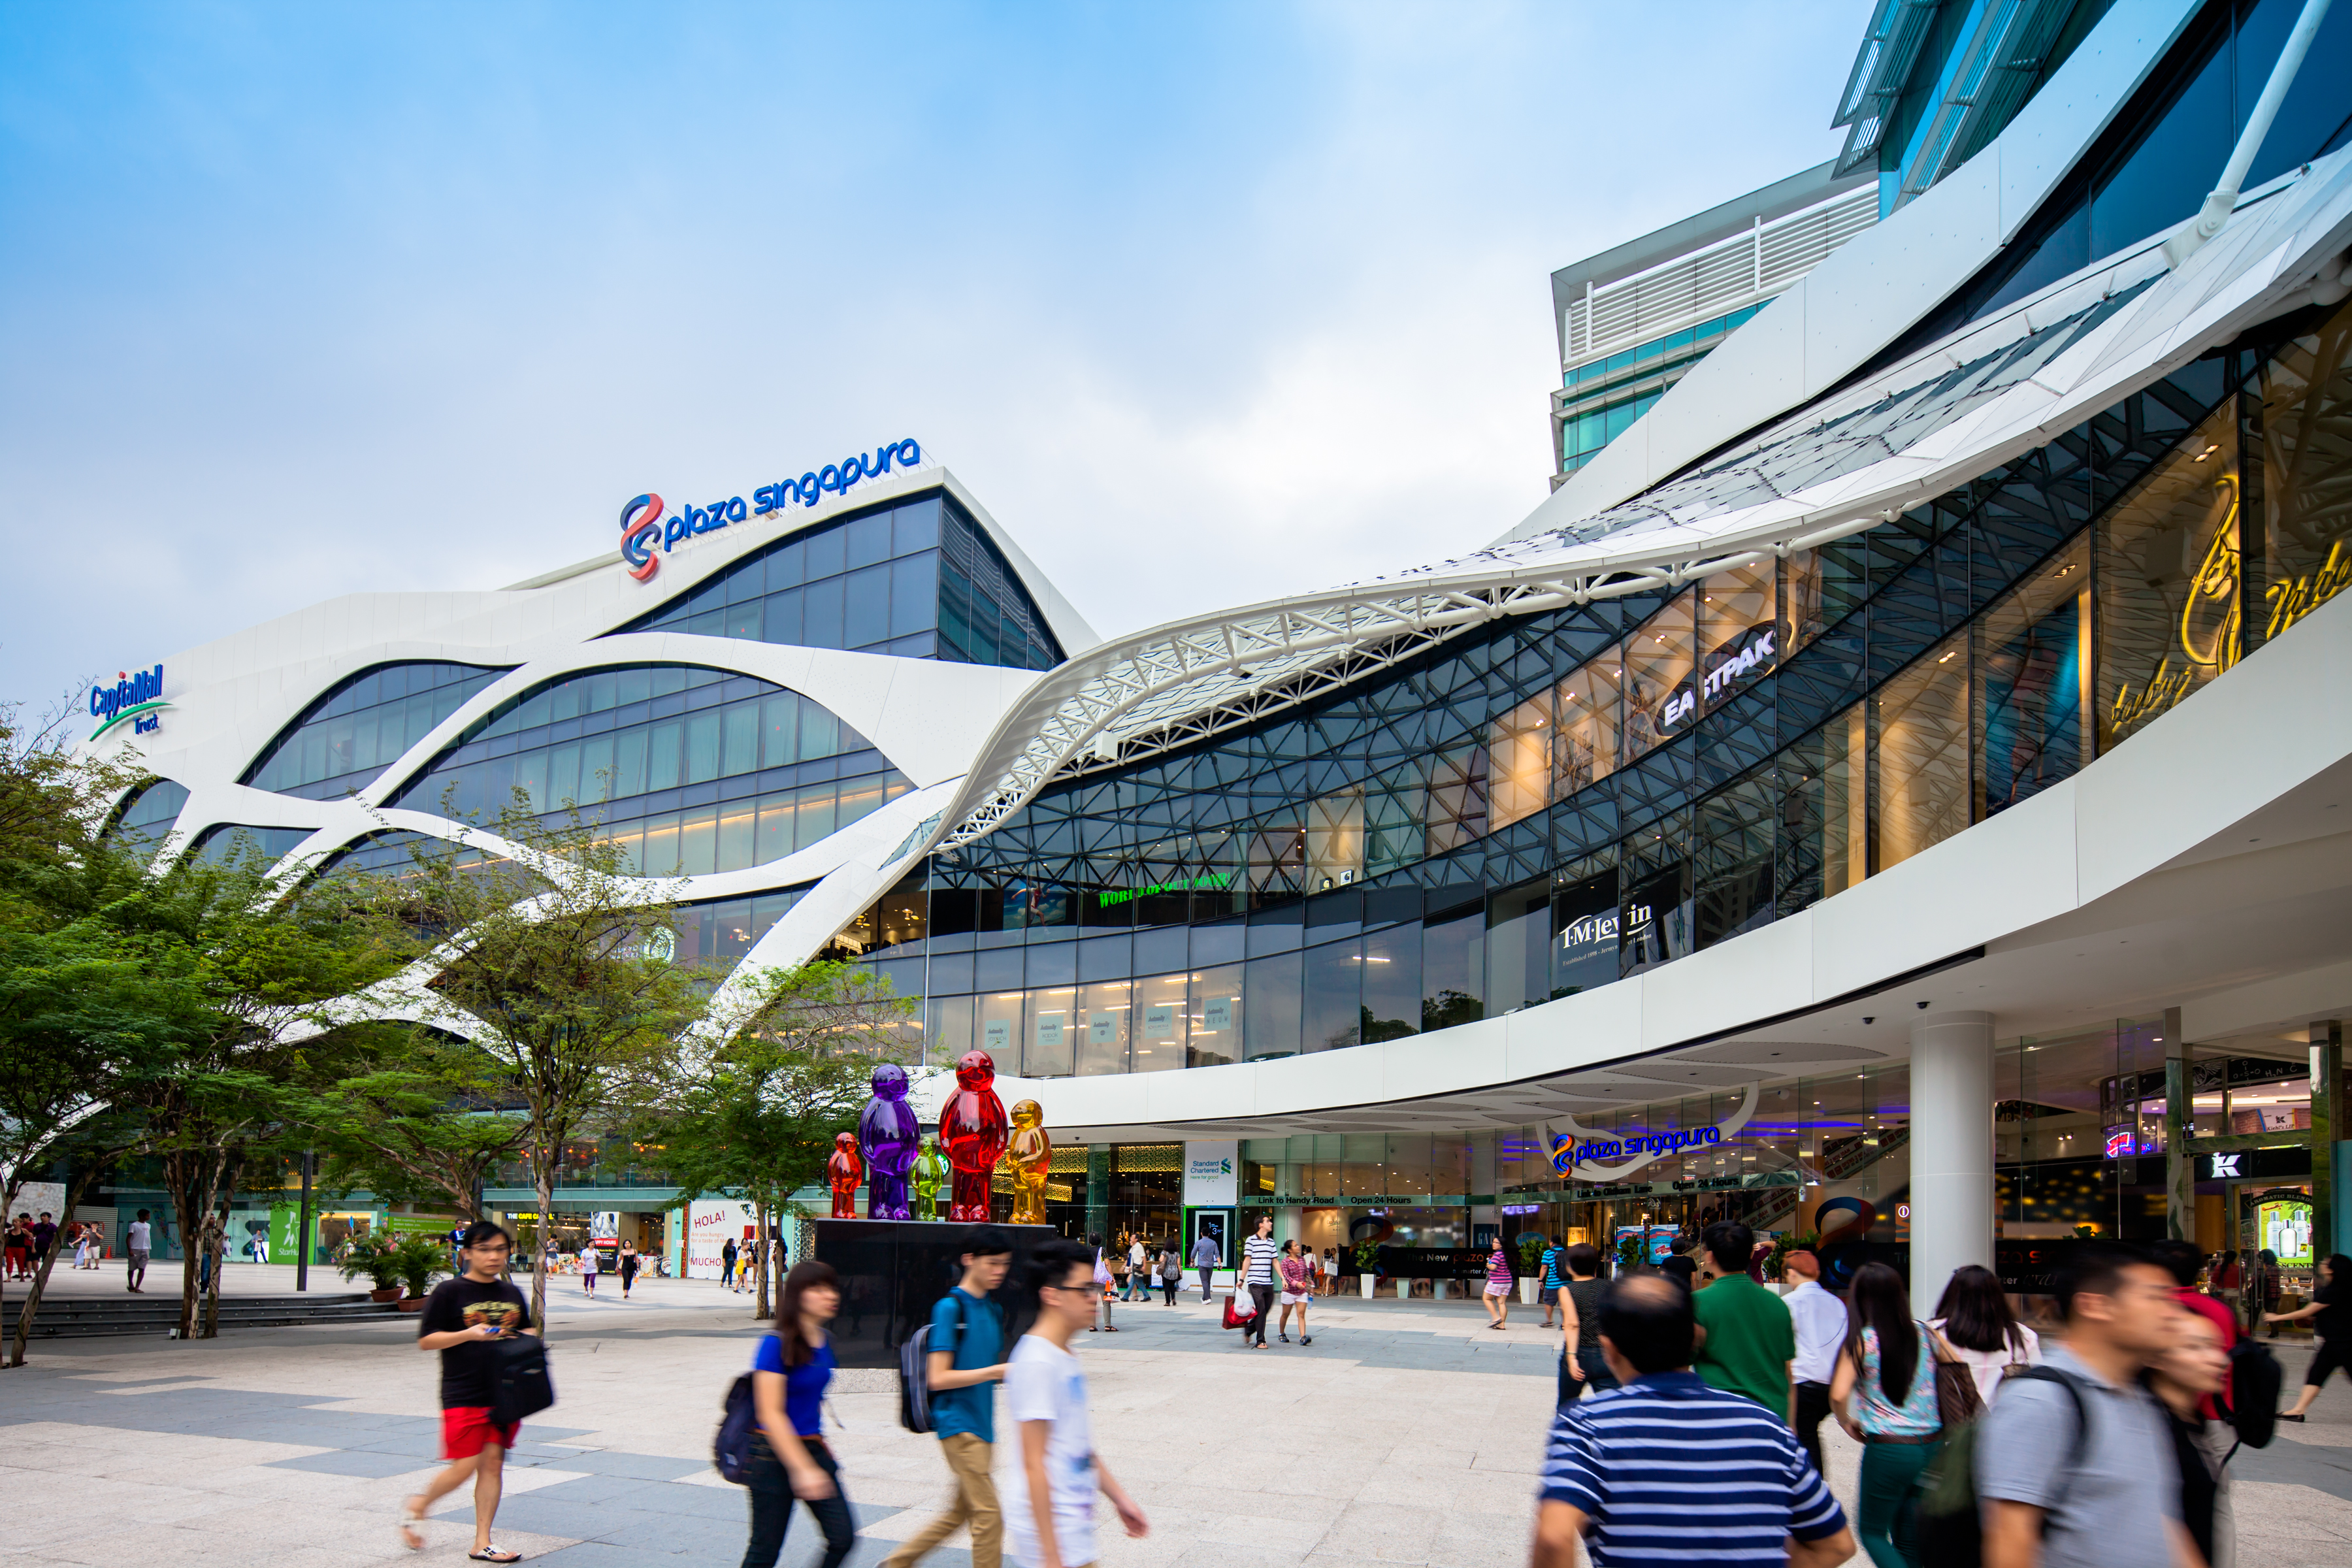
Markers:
{"x": 74, "y": 1195}
{"x": 759, "y": 1239}
{"x": 183, "y": 1208}
{"x": 544, "y": 1176}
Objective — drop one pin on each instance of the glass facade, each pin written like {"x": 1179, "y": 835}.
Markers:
{"x": 919, "y": 579}
{"x": 1577, "y": 796}
{"x": 347, "y": 737}
{"x": 225, "y": 841}
{"x": 1602, "y": 400}
{"x": 690, "y": 769}
{"x": 151, "y": 810}
{"x": 2151, "y": 169}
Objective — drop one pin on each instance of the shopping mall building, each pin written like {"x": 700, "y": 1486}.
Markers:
{"x": 1891, "y": 787}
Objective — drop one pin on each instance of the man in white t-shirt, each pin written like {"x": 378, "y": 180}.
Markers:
{"x": 1049, "y": 1496}
{"x": 139, "y": 1242}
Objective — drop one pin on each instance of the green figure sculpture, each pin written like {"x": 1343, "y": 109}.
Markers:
{"x": 930, "y": 1171}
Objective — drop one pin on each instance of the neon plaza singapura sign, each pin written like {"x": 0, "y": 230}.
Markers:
{"x": 643, "y": 525}
{"x": 1575, "y": 1153}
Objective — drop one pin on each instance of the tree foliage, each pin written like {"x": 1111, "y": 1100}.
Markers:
{"x": 553, "y": 961}
{"x": 755, "y": 1115}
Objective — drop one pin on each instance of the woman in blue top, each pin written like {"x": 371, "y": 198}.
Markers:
{"x": 789, "y": 1458}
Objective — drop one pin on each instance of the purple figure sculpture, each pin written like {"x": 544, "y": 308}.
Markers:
{"x": 892, "y": 1138}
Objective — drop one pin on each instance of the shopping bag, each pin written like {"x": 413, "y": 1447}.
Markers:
{"x": 1239, "y": 1320}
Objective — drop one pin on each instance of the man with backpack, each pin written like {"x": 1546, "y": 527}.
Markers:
{"x": 2074, "y": 1463}
{"x": 965, "y": 1360}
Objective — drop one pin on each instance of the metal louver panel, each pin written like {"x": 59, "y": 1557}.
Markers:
{"x": 1882, "y": 69}
{"x": 1719, "y": 279}
{"x": 2009, "y": 82}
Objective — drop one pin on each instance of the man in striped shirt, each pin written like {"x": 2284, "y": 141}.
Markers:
{"x": 1258, "y": 1254}
{"x": 1666, "y": 1469}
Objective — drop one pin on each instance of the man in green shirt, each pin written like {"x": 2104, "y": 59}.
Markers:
{"x": 1747, "y": 1340}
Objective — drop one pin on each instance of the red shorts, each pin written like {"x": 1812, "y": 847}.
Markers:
{"x": 466, "y": 1429}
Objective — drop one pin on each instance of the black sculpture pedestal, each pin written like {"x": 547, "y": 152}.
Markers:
{"x": 893, "y": 1271}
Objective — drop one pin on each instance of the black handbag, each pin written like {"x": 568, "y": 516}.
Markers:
{"x": 524, "y": 1387}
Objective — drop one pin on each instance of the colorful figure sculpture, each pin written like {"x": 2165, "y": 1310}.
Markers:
{"x": 1031, "y": 1155}
{"x": 931, "y": 1172}
{"x": 844, "y": 1171}
{"x": 889, "y": 1135}
{"x": 972, "y": 1126}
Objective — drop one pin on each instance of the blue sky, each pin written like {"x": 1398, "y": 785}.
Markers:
{"x": 1207, "y": 303}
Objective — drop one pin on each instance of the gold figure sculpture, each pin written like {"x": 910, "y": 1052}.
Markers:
{"x": 1031, "y": 1155}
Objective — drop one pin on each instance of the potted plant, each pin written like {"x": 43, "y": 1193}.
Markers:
{"x": 1629, "y": 1252}
{"x": 1367, "y": 1266}
{"x": 418, "y": 1260}
{"x": 1531, "y": 1249}
{"x": 371, "y": 1254}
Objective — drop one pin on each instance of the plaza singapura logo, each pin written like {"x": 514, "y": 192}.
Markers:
{"x": 647, "y": 523}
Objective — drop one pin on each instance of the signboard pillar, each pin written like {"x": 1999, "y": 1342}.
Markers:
{"x": 2327, "y": 1125}
{"x": 1951, "y": 1148}
{"x": 2180, "y": 1126}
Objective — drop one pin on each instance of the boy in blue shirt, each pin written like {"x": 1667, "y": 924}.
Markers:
{"x": 967, "y": 1359}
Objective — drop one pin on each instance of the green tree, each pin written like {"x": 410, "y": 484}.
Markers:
{"x": 754, "y": 1117}
{"x": 553, "y": 960}
{"x": 405, "y": 1112}
{"x": 266, "y": 965}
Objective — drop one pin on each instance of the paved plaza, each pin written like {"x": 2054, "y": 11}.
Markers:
{"x": 1407, "y": 1434}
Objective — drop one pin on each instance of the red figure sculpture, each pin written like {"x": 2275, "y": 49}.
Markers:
{"x": 972, "y": 1125}
{"x": 844, "y": 1171}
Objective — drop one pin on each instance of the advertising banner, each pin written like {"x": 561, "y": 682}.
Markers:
{"x": 709, "y": 1223}
{"x": 1212, "y": 1178}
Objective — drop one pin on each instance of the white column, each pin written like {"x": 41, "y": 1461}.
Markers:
{"x": 1951, "y": 1150}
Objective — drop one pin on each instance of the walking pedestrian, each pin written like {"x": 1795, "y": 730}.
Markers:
{"x": 1548, "y": 1291}
{"x": 1974, "y": 1317}
{"x": 2183, "y": 1262}
{"x": 1298, "y": 1289}
{"x": 1207, "y": 1257}
{"x": 20, "y": 1245}
{"x": 1884, "y": 1393}
{"x": 138, "y": 1244}
{"x": 726, "y": 1264}
{"x": 629, "y": 1266}
{"x": 1050, "y": 1494}
{"x": 1258, "y": 1254}
{"x": 1331, "y": 1271}
{"x": 965, "y": 1361}
{"x": 2263, "y": 1291}
{"x": 45, "y": 1236}
{"x": 1581, "y": 1364}
{"x": 589, "y": 1265}
{"x": 790, "y": 1457}
{"x": 1137, "y": 1290}
{"x": 1171, "y": 1272}
{"x": 2073, "y": 1463}
{"x": 2330, "y": 1315}
{"x": 1623, "y": 1470}
{"x": 1819, "y": 1320}
{"x": 463, "y": 1320}
{"x": 1102, "y": 1286}
{"x": 2184, "y": 1380}
{"x": 1497, "y": 1294}
{"x": 1748, "y": 1343}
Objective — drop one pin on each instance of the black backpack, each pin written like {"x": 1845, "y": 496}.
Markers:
{"x": 738, "y": 1423}
{"x": 1951, "y": 1532}
{"x": 915, "y": 1371}
{"x": 2256, "y": 1380}
{"x": 524, "y": 1388}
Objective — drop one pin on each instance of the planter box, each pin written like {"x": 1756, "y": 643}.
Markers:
{"x": 1527, "y": 1289}
{"x": 1367, "y": 1281}
{"x": 389, "y": 1293}
{"x": 411, "y": 1303}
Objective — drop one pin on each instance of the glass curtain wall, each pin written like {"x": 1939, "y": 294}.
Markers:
{"x": 1702, "y": 765}
{"x": 347, "y": 738}
{"x": 690, "y": 771}
{"x": 919, "y": 579}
